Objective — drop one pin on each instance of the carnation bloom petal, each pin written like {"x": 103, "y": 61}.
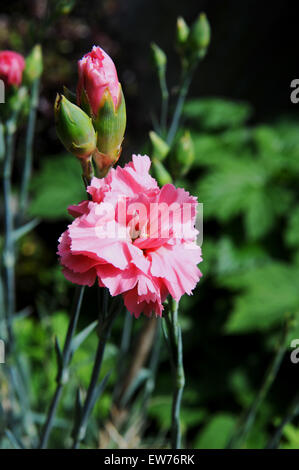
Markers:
{"x": 97, "y": 73}
{"x": 119, "y": 238}
{"x": 12, "y": 65}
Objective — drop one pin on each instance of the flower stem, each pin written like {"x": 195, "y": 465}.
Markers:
{"x": 164, "y": 105}
{"x": 292, "y": 412}
{"x": 62, "y": 371}
{"x": 29, "y": 148}
{"x": 105, "y": 324}
{"x": 176, "y": 352}
{"x": 239, "y": 439}
{"x": 186, "y": 81}
{"x": 9, "y": 252}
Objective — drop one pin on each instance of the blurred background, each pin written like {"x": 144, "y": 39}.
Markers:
{"x": 246, "y": 136}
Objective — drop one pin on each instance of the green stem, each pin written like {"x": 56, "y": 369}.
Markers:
{"x": 122, "y": 354}
{"x": 176, "y": 351}
{"x": 105, "y": 325}
{"x": 29, "y": 148}
{"x": 186, "y": 81}
{"x": 62, "y": 372}
{"x": 292, "y": 412}
{"x": 8, "y": 251}
{"x": 164, "y": 106}
{"x": 271, "y": 373}
{"x": 153, "y": 366}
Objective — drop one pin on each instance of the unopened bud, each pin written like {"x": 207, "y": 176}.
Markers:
{"x": 160, "y": 173}
{"x": 34, "y": 64}
{"x": 200, "y": 36}
{"x": 64, "y": 7}
{"x": 182, "y": 32}
{"x": 110, "y": 126}
{"x": 74, "y": 128}
{"x": 160, "y": 147}
{"x": 159, "y": 58}
{"x": 184, "y": 155}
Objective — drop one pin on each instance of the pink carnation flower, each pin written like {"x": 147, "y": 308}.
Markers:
{"x": 12, "y": 65}
{"x": 97, "y": 73}
{"x": 138, "y": 240}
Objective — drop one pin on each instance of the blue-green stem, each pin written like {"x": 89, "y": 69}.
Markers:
{"x": 62, "y": 370}
{"x": 186, "y": 81}
{"x": 122, "y": 354}
{"x": 106, "y": 320}
{"x": 29, "y": 147}
{"x": 291, "y": 414}
{"x": 174, "y": 334}
{"x": 164, "y": 105}
{"x": 239, "y": 439}
{"x": 9, "y": 252}
{"x": 153, "y": 366}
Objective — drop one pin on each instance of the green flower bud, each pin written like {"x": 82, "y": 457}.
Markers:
{"x": 110, "y": 125}
{"x": 159, "y": 58}
{"x": 182, "y": 32}
{"x": 200, "y": 36}
{"x": 184, "y": 155}
{"x": 34, "y": 64}
{"x": 160, "y": 147}
{"x": 74, "y": 128}
{"x": 64, "y": 7}
{"x": 160, "y": 172}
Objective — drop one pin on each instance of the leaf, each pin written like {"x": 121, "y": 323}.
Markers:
{"x": 259, "y": 217}
{"x": 57, "y": 185}
{"x": 80, "y": 337}
{"x": 292, "y": 232}
{"x": 267, "y": 294}
{"x": 13, "y": 439}
{"x": 231, "y": 259}
{"x": 216, "y": 433}
{"x": 226, "y": 190}
{"x": 216, "y": 113}
{"x": 208, "y": 149}
{"x": 24, "y": 229}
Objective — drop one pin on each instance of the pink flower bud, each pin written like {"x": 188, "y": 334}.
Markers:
{"x": 12, "y": 65}
{"x": 97, "y": 72}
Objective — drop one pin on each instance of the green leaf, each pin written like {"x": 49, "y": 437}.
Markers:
{"x": 57, "y": 185}
{"x": 259, "y": 217}
{"x": 80, "y": 337}
{"x": 216, "y": 433}
{"x": 266, "y": 295}
{"x": 226, "y": 191}
{"x": 292, "y": 232}
{"x": 216, "y": 113}
{"x": 231, "y": 259}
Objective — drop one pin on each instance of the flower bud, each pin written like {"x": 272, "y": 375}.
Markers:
{"x": 64, "y": 7}
{"x": 74, "y": 128}
{"x": 160, "y": 147}
{"x": 200, "y": 36}
{"x": 97, "y": 73}
{"x": 11, "y": 68}
{"x": 159, "y": 58}
{"x": 100, "y": 94}
{"x": 184, "y": 155}
{"x": 182, "y": 32}
{"x": 110, "y": 126}
{"x": 34, "y": 64}
{"x": 160, "y": 172}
